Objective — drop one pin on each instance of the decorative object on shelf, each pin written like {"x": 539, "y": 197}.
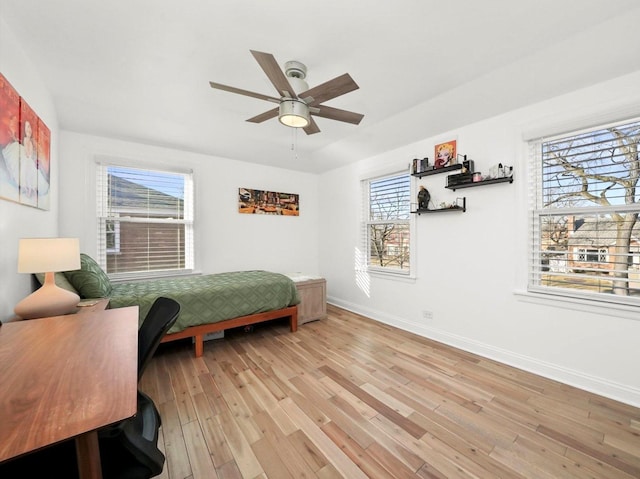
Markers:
{"x": 467, "y": 165}
{"x": 459, "y": 205}
{"x": 423, "y": 198}
{"x": 459, "y": 179}
{"x": 48, "y": 255}
{"x": 499, "y": 171}
{"x": 507, "y": 171}
{"x": 445, "y": 154}
{"x": 420, "y": 165}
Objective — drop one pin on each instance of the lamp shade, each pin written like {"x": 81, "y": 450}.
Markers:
{"x": 294, "y": 113}
{"x": 48, "y": 255}
{"x": 42, "y": 255}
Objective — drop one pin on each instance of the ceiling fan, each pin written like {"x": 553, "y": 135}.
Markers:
{"x": 296, "y": 101}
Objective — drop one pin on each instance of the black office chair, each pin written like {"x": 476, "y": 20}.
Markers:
{"x": 129, "y": 449}
{"x": 132, "y": 452}
{"x": 160, "y": 318}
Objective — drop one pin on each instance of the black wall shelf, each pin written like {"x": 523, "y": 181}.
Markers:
{"x": 481, "y": 183}
{"x": 436, "y": 171}
{"x": 462, "y": 208}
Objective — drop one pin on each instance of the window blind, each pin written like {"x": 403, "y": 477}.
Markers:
{"x": 584, "y": 229}
{"x": 145, "y": 221}
{"x": 387, "y": 223}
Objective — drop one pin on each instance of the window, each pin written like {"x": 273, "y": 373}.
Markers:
{"x": 145, "y": 221}
{"x": 387, "y": 223}
{"x": 585, "y": 233}
{"x": 586, "y": 255}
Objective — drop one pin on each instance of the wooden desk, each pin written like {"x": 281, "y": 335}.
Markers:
{"x": 66, "y": 377}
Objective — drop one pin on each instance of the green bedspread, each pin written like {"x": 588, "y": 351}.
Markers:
{"x": 210, "y": 298}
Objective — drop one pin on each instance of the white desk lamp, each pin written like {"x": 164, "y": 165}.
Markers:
{"x": 48, "y": 255}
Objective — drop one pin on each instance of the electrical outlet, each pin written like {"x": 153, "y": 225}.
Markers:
{"x": 427, "y": 315}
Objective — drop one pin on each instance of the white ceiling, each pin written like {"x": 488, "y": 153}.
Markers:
{"x": 139, "y": 70}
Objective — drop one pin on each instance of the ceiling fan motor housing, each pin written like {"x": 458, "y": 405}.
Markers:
{"x": 294, "y": 69}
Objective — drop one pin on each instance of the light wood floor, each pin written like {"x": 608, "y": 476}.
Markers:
{"x": 348, "y": 397}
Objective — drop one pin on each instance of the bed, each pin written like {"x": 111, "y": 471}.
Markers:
{"x": 209, "y": 303}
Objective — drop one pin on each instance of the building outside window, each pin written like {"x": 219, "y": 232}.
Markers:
{"x": 145, "y": 221}
{"x": 585, "y": 255}
{"x": 585, "y": 233}
{"x": 387, "y": 225}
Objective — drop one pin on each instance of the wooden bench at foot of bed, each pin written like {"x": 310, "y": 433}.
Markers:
{"x": 198, "y": 332}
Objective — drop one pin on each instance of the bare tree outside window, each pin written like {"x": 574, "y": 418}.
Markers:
{"x": 388, "y": 228}
{"x": 588, "y": 232}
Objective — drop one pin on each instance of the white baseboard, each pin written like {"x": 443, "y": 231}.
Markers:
{"x": 596, "y": 385}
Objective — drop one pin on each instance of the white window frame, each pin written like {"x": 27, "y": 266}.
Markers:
{"x": 116, "y": 239}
{"x": 103, "y": 214}
{"x": 536, "y": 211}
{"x": 367, "y": 222}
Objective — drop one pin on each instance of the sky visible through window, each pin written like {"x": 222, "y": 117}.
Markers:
{"x": 596, "y": 161}
{"x": 171, "y": 184}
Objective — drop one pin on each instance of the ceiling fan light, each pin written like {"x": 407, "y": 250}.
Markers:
{"x": 294, "y": 113}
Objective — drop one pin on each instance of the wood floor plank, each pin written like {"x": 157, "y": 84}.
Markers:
{"x": 336, "y": 415}
{"x": 390, "y": 462}
{"x": 229, "y": 470}
{"x": 199, "y": 457}
{"x": 382, "y": 408}
{"x": 307, "y": 450}
{"x": 611, "y": 456}
{"x": 463, "y": 448}
{"x": 270, "y": 462}
{"x": 348, "y": 397}
{"x": 246, "y": 460}
{"x": 174, "y": 446}
{"x": 281, "y": 447}
{"x": 322, "y": 442}
{"x": 352, "y": 449}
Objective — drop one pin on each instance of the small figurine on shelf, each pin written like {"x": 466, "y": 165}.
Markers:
{"x": 423, "y": 198}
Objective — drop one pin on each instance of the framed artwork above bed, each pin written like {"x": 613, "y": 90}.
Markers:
{"x": 267, "y": 202}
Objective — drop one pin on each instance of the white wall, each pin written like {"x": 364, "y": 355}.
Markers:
{"x": 19, "y": 221}
{"x": 471, "y": 267}
{"x": 225, "y": 239}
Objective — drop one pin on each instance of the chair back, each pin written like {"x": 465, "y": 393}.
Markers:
{"x": 162, "y": 315}
{"x": 133, "y": 452}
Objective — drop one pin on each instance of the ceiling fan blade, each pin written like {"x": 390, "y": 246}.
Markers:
{"x": 240, "y": 91}
{"x": 337, "y": 114}
{"x": 330, "y": 89}
{"x": 275, "y": 74}
{"x": 312, "y": 127}
{"x": 267, "y": 115}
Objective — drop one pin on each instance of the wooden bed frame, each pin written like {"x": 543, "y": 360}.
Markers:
{"x": 198, "y": 332}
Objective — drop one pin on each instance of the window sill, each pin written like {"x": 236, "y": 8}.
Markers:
{"x": 577, "y": 304}
{"x": 406, "y": 278}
